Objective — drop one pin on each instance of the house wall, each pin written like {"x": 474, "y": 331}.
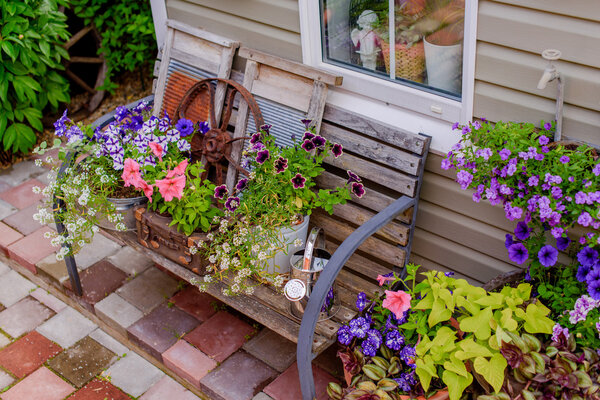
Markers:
{"x": 453, "y": 232}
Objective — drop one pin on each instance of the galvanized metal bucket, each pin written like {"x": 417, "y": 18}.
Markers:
{"x": 306, "y": 266}
{"x": 125, "y": 207}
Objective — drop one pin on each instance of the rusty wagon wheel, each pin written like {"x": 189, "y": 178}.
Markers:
{"x": 96, "y": 95}
{"x": 216, "y": 145}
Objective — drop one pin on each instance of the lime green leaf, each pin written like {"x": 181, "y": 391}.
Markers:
{"x": 426, "y": 371}
{"x": 479, "y": 324}
{"x": 536, "y": 320}
{"x": 507, "y": 320}
{"x": 456, "y": 383}
{"x": 493, "y": 300}
{"x": 471, "y": 349}
{"x": 425, "y": 304}
{"x": 457, "y": 366}
{"x": 439, "y": 313}
{"x": 492, "y": 370}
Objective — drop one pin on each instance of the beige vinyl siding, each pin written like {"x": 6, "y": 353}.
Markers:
{"x": 272, "y": 26}
{"x": 511, "y": 35}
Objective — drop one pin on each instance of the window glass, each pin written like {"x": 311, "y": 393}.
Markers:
{"x": 428, "y": 38}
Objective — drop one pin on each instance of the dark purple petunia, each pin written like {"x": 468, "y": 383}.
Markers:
{"x": 298, "y": 181}
{"x": 593, "y": 275}
{"x": 242, "y": 184}
{"x": 522, "y": 230}
{"x": 306, "y": 122}
{"x": 203, "y": 127}
{"x": 548, "y": 256}
{"x": 281, "y": 165}
{"x": 262, "y": 156}
{"x": 358, "y": 189}
{"x": 352, "y": 177}
{"x": 136, "y": 123}
{"x": 319, "y": 141}
{"x": 337, "y": 150}
{"x": 562, "y": 243}
{"x": 394, "y": 340}
{"x": 594, "y": 289}
{"x": 582, "y": 272}
{"x": 518, "y": 253}
{"x": 308, "y": 145}
{"x": 266, "y": 128}
{"x": 587, "y": 256}
{"x": 508, "y": 241}
{"x": 185, "y": 127}
{"x": 374, "y": 336}
{"x": 307, "y": 135}
{"x": 121, "y": 113}
{"x": 361, "y": 301}
{"x": 232, "y": 203}
{"x": 221, "y": 192}
{"x": 449, "y": 273}
{"x": 256, "y": 138}
{"x": 359, "y": 327}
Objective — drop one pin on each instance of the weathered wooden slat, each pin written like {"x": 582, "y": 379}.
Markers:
{"x": 291, "y": 66}
{"x": 188, "y": 44}
{"x": 316, "y": 106}
{"x": 283, "y": 87}
{"x": 393, "y": 232}
{"x": 357, "y": 284}
{"x": 247, "y": 305}
{"x": 371, "y": 149}
{"x": 384, "y": 176}
{"x": 208, "y": 36}
{"x": 392, "y": 135}
{"x": 372, "y": 199}
{"x": 360, "y": 264}
{"x": 376, "y": 247}
{"x": 195, "y": 61}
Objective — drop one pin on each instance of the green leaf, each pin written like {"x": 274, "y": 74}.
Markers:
{"x": 439, "y": 313}
{"x": 457, "y": 366}
{"x": 456, "y": 383}
{"x": 478, "y": 324}
{"x": 507, "y": 320}
{"x": 471, "y": 349}
{"x": 492, "y": 370}
{"x": 8, "y": 48}
{"x": 536, "y": 320}
{"x": 34, "y": 117}
{"x": 426, "y": 371}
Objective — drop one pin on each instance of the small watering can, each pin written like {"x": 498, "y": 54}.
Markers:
{"x": 307, "y": 264}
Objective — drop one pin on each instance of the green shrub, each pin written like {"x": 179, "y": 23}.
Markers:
{"x": 127, "y": 31}
{"x": 31, "y": 36}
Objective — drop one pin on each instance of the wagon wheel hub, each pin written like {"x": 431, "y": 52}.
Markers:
{"x": 215, "y": 145}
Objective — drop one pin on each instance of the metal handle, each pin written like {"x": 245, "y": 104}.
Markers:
{"x": 315, "y": 234}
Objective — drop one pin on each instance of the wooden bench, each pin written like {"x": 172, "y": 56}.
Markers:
{"x": 370, "y": 236}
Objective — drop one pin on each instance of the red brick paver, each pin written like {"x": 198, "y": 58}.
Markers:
{"x": 188, "y": 362}
{"x": 220, "y": 336}
{"x": 41, "y": 385}
{"x": 99, "y": 280}
{"x": 99, "y": 390}
{"x": 7, "y": 237}
{"x": 22, "y": 196}
{"x": 200, "y": 305}
{"x": 26, "y": 354}
{"x": 31, "y": 249}
{"x": 287, "y": 385}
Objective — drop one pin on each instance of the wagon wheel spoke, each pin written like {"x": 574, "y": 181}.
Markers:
{"x": 219, "y": 174}
{"x": 236, "y": 165}
{"x": 238, "y": 138}
{"x": 77, "y": 37}
{"x": 86, "y": 60}
{"x": 227, "y": 115}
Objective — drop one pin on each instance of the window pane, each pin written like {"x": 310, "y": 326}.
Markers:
{"x": 428, "y": 37}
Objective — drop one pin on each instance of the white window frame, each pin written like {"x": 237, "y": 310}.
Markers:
{"x": 424, "y": 106}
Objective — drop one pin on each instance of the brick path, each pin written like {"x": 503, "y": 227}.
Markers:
{"x": 137, "y": 332}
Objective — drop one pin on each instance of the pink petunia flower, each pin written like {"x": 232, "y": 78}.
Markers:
{"x": 397, "y": 302}
{"x": 171, "y": 187}
{"x": 383, "y": 279}
{"x": 147, "y": 189}
{"x": 157, "y": 149}
{"x": 131, "y": 172}
{"x": 178, "y": 170}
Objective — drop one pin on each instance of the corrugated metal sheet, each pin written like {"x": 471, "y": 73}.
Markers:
{"x": 285, "y": 120}
{"x": 189, "y": 70}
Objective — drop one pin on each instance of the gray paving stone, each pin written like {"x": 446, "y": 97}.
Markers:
{"x": 44, "y": 177}
{"x": 23, "y": 317}
{"x": 133, "y": 374}
{"x": 3, "y": 268}
{"x": 13, "y": 287}
{"x": 67, "y": 327}
{"x": 20, "y": 172}
{"x": 117, "y": 312}
{"x": 5, "y": 380}
{"x": 6, "y": 209}
{"x": 91, "y": 253}
{"x": 272, "y": 349}
{"x": 262, "y": 396}
{"x": 109, "y": 342}
{"x": 48, "y": 300}
{"x": 130, "y": 261}
{"x": 149, "y": 289}
{"x": 4, "y": 341}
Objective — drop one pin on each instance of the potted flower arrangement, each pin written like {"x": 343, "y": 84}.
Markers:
{"x": 552, "y": 192}
{"x": 267, "y": 214}
{"x": 92, "y": 188}
{"x": 439, "y": 338}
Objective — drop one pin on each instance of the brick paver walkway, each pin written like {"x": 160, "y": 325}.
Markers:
{"x": 98, "y": 347}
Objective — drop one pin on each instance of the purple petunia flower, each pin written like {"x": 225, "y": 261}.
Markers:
{"x": 518, "y": 253}
{"x": 203, "y": 127}
{"x": 361, "y": 301}
{"x": 358, "y": 189}
{"x": 308, "y": 135}
{"x": 345, "y": 336}
{"x": 582, "y": 272}
{"x": 564, "y": 159}
{"x": 562, "y": 243}
{"x": 585, "y": 219}
{"x": 547, "y": 126}
{"x": 587, "y": 256}
{"x": 508, "y": 241}
{"x": 449, "y": 273}
{"x": 298, "y": 181}
{"x": 60, "y": 125}
{"x": 262, "y": 156}
{"x": 306, "y": 122}
{"x": 557, "y": 331}
{"x": 256, "y": 138}
{"x": 308, "y": 145}
{"x": 407, "y": 354}
{"x": 548, "y": 256}
{"x": 455, "y": 126}
{"x": 466, "y": 130}
{"x": 319, "y": 141}
{"x": 464, "y": 178}
{"x": 374, "y": 337}
{"x": 446, "y": 164}
{"x": 596, "y": 169}
{"x": 265, "y": 128}
{"x": 281, "y": 165}
{"x": 394, "y": 340}
{"x": 221, "y": 192}
{"x": 185, "y": 127}
{"x": 543, "y": 140}
{"x": 242, "y": 184}
{"x": 352, "y": 177}
{"x": 337, "y": 150}
{"x": 359, "y": 327}
{"x": 476, "y": 125}
{"x": 594, "y": 289}
{"x": 522, "y": 230}
{"x": 504, "y": 154}
{"x": 232, "y": 203}
{"x": 368, "y": 349}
